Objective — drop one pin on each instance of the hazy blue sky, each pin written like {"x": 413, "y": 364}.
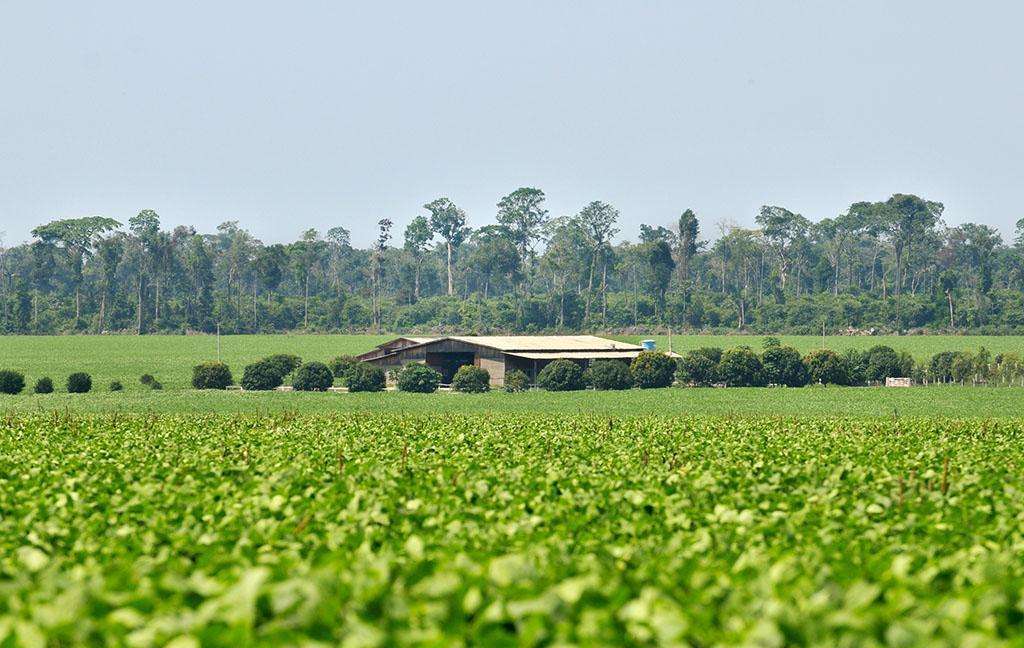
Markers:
{"x": 297, "y": 115}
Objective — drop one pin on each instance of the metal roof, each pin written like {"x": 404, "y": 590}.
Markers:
{"x": 511, "y": 343}
{"x": 576, "y": 355}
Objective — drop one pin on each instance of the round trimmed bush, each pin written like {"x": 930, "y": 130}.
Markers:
{"x": 211, "y": 375}
{"x": 43, "y": 386}
{"x": 882, "y": 362}
{"x": 652, "y": 369}
{"x": 284, "y": 363}
{"x": 261, "y": 376}
{"x": 740, "y": 367}
{"x": 608, "y": 374}
{"x": 418, "y": 378}
{"x": 561, "y": 375}
{"x": 700, "y": 367}
{"x": 313, "y": 376}
{"x": 365, "y": 377}
{"x": 471, "y": 380}
{"x": 826, "y": 367}
{"x": 11, "y": 382}
{"x": 79, "y": 383}
{"x": 341, "y": 366}
{"x": 115, "y": 385}
{"x": 783, "y": 366}
{"x": 516, "y": 380}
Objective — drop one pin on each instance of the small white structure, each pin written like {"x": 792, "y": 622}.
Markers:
{"x": 898, "y": 382}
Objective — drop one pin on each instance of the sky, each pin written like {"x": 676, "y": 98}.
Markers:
{"x": 289, "y": 116}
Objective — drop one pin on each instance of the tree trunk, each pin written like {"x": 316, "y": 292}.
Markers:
{"x": 138, "y": 309}
{"x": 78, "y": 305}
{"x": 451, "y": 283}
{"x": 305, "y": 305}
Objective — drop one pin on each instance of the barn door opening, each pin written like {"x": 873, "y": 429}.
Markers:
{"x": 447, "y": 363}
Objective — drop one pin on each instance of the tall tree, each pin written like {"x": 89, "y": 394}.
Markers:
{"x": 145, "y": 226}
{"x": 377, "y": 268}
{"x": 597, "y": 224}
{"x": 689, "y": 230}
{"x": 448, "y": 222}
{"x": 523, "y": 214}
{"x": 417, "y": 237}
{"x": 783, "y": 231}
{"x": 77, "y": 237}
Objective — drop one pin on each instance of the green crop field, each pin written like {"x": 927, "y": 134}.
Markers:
{"x": 365, "y": 530}
{"x": 853, "y": 402}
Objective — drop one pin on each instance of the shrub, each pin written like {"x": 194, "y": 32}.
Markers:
{"x": 211, "y": 375}
{"x": 284, "y": 363}
{"x": 147, "y": 379}
{"x": 608, "y": 374}
{"x": 11, "y": 382}
{"x": 740, "y": 367}
{"x": 700, "y": 366}
{"x": 827, "y": 368}
{"x": 365, "y": 377}
{"x": 856, "y": 366}
{"x": 940, "y": 367}
{"x": 115, "y": 385}
{"x": 652, "y": 369}
{"x": 882, "y": 362}
{"x": 418, "y": 378}
{"x": 79, "y": 383}
{"x": 261, "y": 376}
{"x": 783, "y": 366}
{"x": 341, "y": 366}
{"x": 313, "y": 376}
{"x": 43, "y": 386}
{"x": 516, "y": 380}
{"x": 561, "y": 375}
{"x": 470, "y": 379}
{"x": 156, "y": 385}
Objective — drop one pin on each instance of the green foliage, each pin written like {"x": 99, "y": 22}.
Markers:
{"x": 261, "y": 376}
{"x": 365, "y": 377}
{"x": 699, "y": 367}
{"x": 43, "y": 386}
{"x": 313, "y": 376}
{"x": 418, "y": 378}
{"x": 652, "y": 369}
{"x": 211, "y": 375}
{"x": 882, "y": 362}
{"x": 608, "y": 375}
{"x": 516, "y": 381}
{"x": 11, "y": 382}
{"x": 284, "y": 363}
{"x": 740, "y": 367}
{"x": 501, "y": 530}
{"x": 341, "y": 366}
{"x": 79, "y": 383}
{"x": 470, "y": 379}
{"x": 826, "y": 367}
{"x": 783, "y": 366}
{"x": 116, "y": 386}
{"x": 561, "y": 375}
{"x": 147, "y": 380}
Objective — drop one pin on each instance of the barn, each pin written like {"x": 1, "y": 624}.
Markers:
{"x": 497, "y": 353}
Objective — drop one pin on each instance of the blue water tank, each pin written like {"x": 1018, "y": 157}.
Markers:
{"x": 648, "y": 345}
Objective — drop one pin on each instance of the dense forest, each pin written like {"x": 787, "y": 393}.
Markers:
{"x": 892, "y": 265}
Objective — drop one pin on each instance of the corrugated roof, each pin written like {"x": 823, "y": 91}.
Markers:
{"x": 582, "y": 355}
{"x": 576, "y": 355}
{"x": 510, "y": 343}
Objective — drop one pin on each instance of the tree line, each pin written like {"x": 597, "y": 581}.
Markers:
{"x": 891, "y": 265}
